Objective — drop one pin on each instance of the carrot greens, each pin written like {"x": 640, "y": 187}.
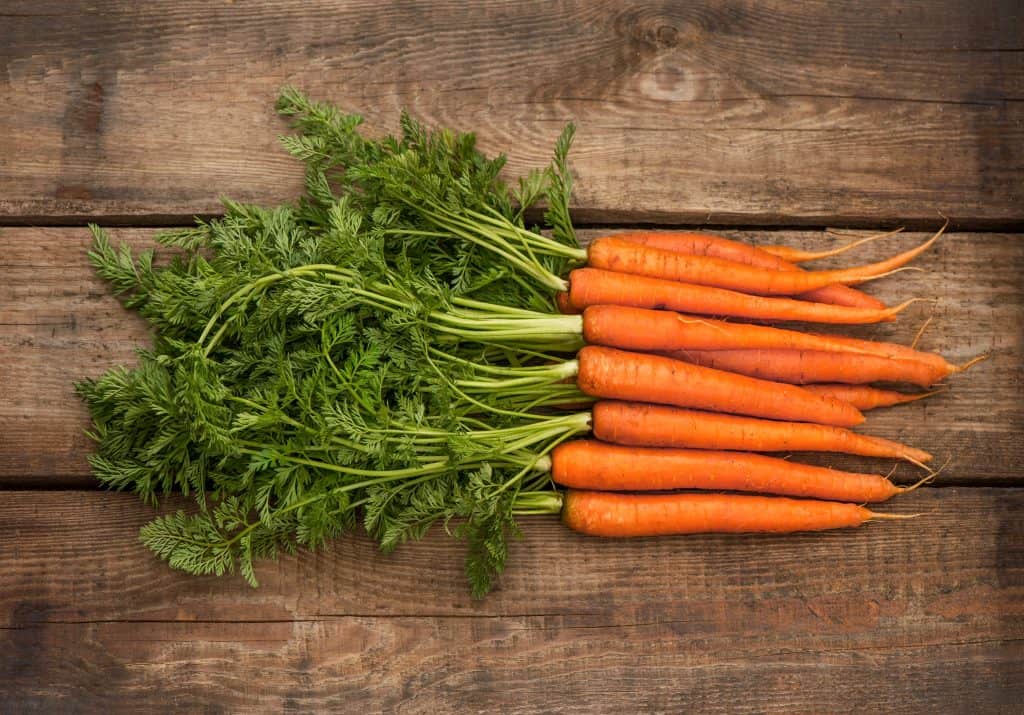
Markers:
{"x": 307, "y": 367}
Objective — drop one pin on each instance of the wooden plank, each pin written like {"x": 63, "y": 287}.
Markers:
{"x": 906, "y": 617}
{"x": 727, "y": 111}
{"x": 58, "y": 324}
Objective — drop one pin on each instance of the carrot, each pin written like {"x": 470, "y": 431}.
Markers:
{"x": 703, "y": 244}
{"x": 622, "y": 375}
{"x": 589, "y": 464}
{"x": 645, "y": 425}
{"x": 796, "y": 255}
{"x": 659, "y": 331}
{"x": 627, "y": 257}
{"x": 867, "y": 398}
{"x": 809, "y": 366}
{"x": 619, "y": 515}
{"x": 593, "y": 286}
{"x": 890, "y": 350}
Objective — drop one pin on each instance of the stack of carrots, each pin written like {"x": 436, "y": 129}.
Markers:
{"x": 769, "y": 389}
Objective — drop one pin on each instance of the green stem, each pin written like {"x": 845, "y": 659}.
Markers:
{"x": 387, "y": 474}
{"x": 538, "y": 502}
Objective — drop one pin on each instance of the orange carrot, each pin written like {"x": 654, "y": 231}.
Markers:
{"x": 622, "y": 375}
{"x": 619, "y": 515}
{"x": 589, "y": 464}
{"x": 796, "y": 255}
{"x": 627, "y": 257}
{"x": 703, "y": 244}
{"x": 645, "y": 425}
{"x": 659, "y": 331}
{"x": 867, "y": 398}
{"x": 801, "y": 367}
{"x": 593, "y": 286}
{"x": 889, "y": 350}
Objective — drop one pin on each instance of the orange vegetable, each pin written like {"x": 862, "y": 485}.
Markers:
{"x": 889, "y": 350}
{"x": 593, "y": 286}
{"x": 589, "y": 464}
{"x": 628, "y": 257}
{"x": 809, "y": 366}
{"x": 703, "y": 244}
{"x": 622, "y": 375}
{"x": 646, "y": 425}
{"x": 864, "y": 397}
{"x": 611, "y": 514}
{"x": 661, "y": 331}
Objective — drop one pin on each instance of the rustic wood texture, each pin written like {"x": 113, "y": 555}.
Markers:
{"x": 910, "y": 617}
{"x": 59, "y": 323}
{"x": 715, "y": 112}
{"x": 728, "y": 111}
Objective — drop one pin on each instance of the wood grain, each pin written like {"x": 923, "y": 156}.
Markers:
{"x": 908, "y": 617}
{"x": 718, "y": 111}
{"x": 58, "y": 324}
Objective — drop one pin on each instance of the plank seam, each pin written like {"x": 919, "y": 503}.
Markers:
{"x": 186, "y": 220}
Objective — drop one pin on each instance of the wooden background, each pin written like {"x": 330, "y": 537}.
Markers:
{"x": 773, "y": 119}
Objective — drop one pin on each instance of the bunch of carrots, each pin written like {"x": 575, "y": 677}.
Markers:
{"x": 806, "y": 389}
{"x": 401, "y": 344}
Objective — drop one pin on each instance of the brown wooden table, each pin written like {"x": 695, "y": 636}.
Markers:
{"x": 781, "y": 118}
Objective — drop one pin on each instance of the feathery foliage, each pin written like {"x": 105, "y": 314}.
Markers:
{"x": 374, "y": 355}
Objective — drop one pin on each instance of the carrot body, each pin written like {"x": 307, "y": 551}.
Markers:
{"x": 864, "y": 397}
{"x": 800, "y": 367}
{"x": 628, "y": 257}
{"x": 589, "y": 464}
{"x": 617, "y": 515}
{"x": 704, "y": 244}
{"x": 739, "y": 252}
{"x": 644, "y": 425}
{"x": 660, "y": 331}
{"x": 593, "y": 286}
{"x": 889, "y": 350}
{"x": 622, "y": 375}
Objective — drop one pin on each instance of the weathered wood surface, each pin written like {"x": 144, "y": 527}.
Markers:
{"x": 728, "y": 111}
{"x": 59, "y": 323}
{"x": 917, "y": 616}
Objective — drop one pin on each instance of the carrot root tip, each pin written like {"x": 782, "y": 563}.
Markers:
{"x": 971, "y": 363}
{"x": 876, "y": 515}
{"x": 920, "y": 332}
{"x": 814, "y": 256}
{"x": 919, "y": 483}
{"x": 917, "y": 463}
